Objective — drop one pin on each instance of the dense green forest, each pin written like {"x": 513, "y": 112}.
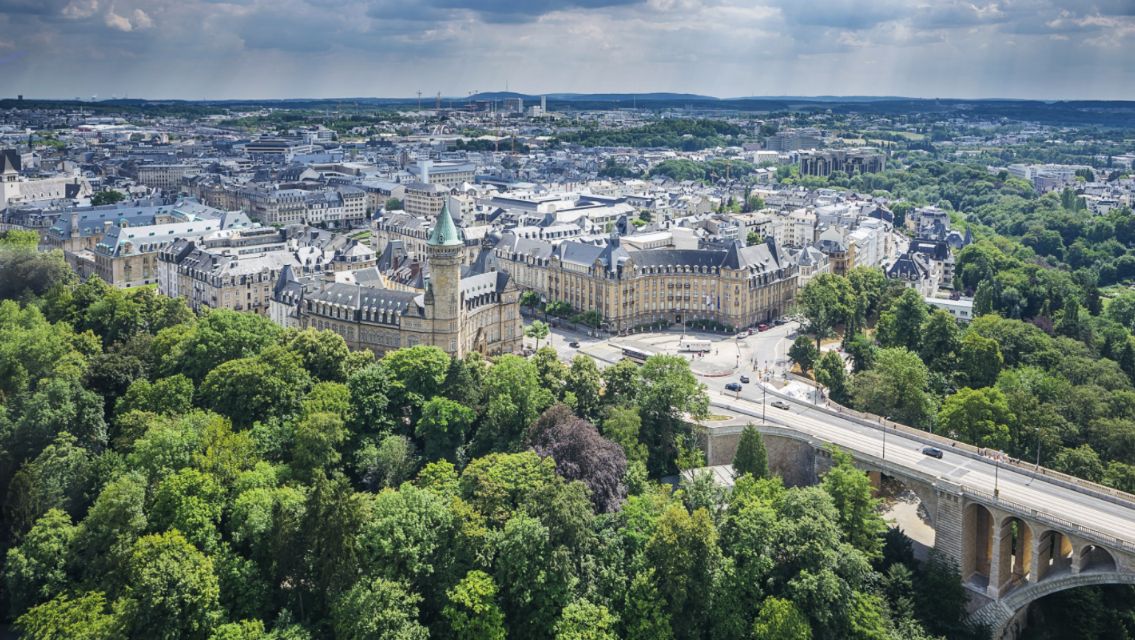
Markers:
{"x": 672, "y": 133}
{"x": 173, "y": 476}
{"x": 1050, "y": 361}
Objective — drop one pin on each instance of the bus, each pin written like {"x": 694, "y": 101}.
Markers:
{"x": 698, "y": 345}
{"x": 638, "y": 356}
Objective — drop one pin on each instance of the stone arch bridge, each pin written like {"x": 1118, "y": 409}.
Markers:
{"x": 1016, "y": 534}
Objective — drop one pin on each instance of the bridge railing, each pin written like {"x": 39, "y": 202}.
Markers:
{"x": 1072, "y": 482}
{"x": 1047, "y": 518}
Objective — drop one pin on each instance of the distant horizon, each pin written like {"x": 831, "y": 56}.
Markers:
{"x": 429, "y": 99}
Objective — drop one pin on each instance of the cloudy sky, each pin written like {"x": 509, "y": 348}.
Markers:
{"x": 213, "y": 49}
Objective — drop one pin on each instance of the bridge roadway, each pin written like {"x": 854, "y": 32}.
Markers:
{"x": 1115, "y": 519}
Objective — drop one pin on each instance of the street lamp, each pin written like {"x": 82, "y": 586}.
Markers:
{"x": 885, "y": 437}
{"x": 764, "y": 398}
{"x": 996, "y": 475}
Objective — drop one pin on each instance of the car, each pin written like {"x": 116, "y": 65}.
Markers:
{"x": 762, "y": 327}
{"x": 733, "y": 386}
{"x": 744, "y": 379}
{"x": 780, "y": 404}
{"x": 933, "y": 452}
{"x": 574, "y": 344}
{"x": 779, "y": 321}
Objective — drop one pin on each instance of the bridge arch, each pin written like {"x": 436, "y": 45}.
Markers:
{"x": 1002, "y": 616}
{"x": 1015, "y": 553}
{"x": 977, "y": 544}
{"x": 1055, "y": 554}
{"x": 1096, "y": 558}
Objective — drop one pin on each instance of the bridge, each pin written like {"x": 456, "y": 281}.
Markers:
{"x": 1018, "y": 533}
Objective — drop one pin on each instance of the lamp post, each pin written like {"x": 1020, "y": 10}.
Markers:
{"x": 885, "y": 437}
{"x": 996, "y": 475}
{"x": 764, "y": 398}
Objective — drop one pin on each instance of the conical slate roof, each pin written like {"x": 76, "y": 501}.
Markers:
{"x": 444, "y": 233}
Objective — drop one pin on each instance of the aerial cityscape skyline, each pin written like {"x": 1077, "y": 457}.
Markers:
{"x": 1040, "y": 49}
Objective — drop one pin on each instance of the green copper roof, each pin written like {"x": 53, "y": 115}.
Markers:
{"x": 444, "y": 233}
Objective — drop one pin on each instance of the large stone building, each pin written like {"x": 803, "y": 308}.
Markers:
{"x": 15, "y": 189}
{"x": 456, "y": 314}
{"x": 733, "y": 286}
{"x": 238, "y": 268}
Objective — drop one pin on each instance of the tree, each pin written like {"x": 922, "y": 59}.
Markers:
{"x": 444, "y": 427}
{"x": 472, "y": 611}
{"x": 323, "y": 353}
{"x": 249, "y": 390}
{"x": 896, "y": 387}
{"x": 165, "y": 396}
{"x": 370, "y": 400}
{"x": 684, "y": 554}
{"x": 388, "y": 464}
{"x": 902, "y": 324}
{"x": 667, "y": 394}
{"x": 779, "y": 619}
{"x": 825, "y": 301}
{"x": 832, "y": 373}
{"x": 753, "y": 238}
{"x": 583, "y": 382}
{"x": 851, "y": 493}
{"x": 534, "y": 587}
{"x": 978, "y": 416}
{"x": 377, "y": 609}
{"x": 514, "y": 398}
{"x": 582, "y": 620}
{"x": 804, "y": 353}
{"x": 172, "y": 591}
{"x": 580, "y": 453}
{"x": 644, "y": 610}
{"x": 318, "y": 438}
{"x": 190, "y": 502}
{"x": 36, "y": 571}
{"x": 416, "y": 375}
{"x": 537, "y": 330}
{"x": 862, "y": 352}
{"x": 82, "y": 617}
{"x": 940, "y": 596}
{"x": 941, "y": 342}
{"x": 1082, "y": 462}
{"x": 623, "y": 425}
{"x": 751, "y": 457}
{"x": 220, "y": 336}
{"x": 620, "y": 383}
{"x": 107, "y": 196}
{"x": 392, "y": 204}
{"x": 979, "y": 360}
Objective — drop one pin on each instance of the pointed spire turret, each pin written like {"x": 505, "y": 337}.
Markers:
{"x": 444, "y": 233}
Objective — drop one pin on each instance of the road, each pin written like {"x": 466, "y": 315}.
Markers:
{"x": 732, "y": 356}
{"x": 1116, "y": 520}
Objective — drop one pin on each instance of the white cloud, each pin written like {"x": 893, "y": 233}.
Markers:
{"x": 117, "y": 22}
{"x": 79, "y": 9}
{"x": 141, "y": 20}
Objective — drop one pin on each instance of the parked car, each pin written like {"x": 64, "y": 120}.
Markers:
{"x": 733, "y": 386}
{"x": 933, "y": 452}
{"x": 762, "y": 327}
{"x": 780, "y": 404}
{"x": 574, "y": 344}
{"x": 779, "y": 321}
{"x": 744, "y": 379}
